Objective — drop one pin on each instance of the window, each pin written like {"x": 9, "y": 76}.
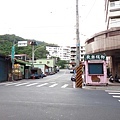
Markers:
{"x": 82, "y": 55}
{"x": 82, "y": 59}
{"x": 112, "y": 4}
{"x": 95, "y": 68}
{"x": 48, "y": 62}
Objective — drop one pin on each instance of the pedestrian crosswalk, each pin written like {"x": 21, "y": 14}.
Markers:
{"x": 114, "y": 93}
{"x": 36, "y": 84}
{"x": 42, "y": 85}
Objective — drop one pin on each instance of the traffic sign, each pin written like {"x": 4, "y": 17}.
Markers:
{"x": 22, "y": 43}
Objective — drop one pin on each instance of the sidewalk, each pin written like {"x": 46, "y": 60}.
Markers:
{"x": 110, "y": 86}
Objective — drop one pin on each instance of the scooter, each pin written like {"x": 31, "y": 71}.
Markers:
{"x": 117, "y": 79}
{"x": 111, "y": 79}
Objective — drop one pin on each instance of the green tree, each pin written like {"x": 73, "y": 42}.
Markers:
{"x": 7, "y": 41}
{"x": 61, "y": 63}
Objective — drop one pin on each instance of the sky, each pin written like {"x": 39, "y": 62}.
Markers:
{"x": 51, "y": 21}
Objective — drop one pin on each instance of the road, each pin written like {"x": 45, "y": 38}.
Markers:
{"x": 47, "y": 99}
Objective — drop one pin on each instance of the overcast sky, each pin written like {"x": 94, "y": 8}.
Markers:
{"x": 52, "y": 21}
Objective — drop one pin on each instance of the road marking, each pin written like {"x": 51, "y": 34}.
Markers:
{"x": 11, "y": 84}
{"x": 22, "y": 84}
{"x": 116, "y": 96}
{"x": 31, "y": 84}
{"x": 112, "y": 90}
{"x": 53, "y": 85}
{"x": 37, "y": 84}
{"x": 3, "y": 83}
{"x": 114, "y": 93}
{"x": 64, "y": 86}
{"x": 42, "y": 85}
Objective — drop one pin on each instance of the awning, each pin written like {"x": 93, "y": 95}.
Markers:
{"x": 22, "y": 62}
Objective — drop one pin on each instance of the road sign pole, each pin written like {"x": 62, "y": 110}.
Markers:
{"x": 32, "y": 55}
{"x": 12, "y": 60}
{"x": 20, "y": 44}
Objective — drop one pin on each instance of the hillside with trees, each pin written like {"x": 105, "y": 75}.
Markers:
{"x": 7, "y": 41}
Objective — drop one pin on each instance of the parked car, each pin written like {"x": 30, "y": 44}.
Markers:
{"x": 34, "y": 76}
{"x": 42, "y": 75}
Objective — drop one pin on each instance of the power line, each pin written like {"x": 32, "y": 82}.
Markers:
{"x": 89, "y": 11}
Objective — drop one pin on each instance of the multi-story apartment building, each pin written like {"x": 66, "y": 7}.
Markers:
{"x": 112, "y": 12}
{"x": 63, "y": 52}
{"x": 67, "y": 53}
{"x": 73, "y": 54}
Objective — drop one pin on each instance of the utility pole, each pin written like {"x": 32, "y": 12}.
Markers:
{"x": 33, "y": 44}
{"x": 77, "y": 36}
{"x": 78, "y": 63}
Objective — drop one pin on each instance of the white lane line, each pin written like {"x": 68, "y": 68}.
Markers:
{"x": 31, "y": 84}
{"x": 22, "y": 84}
{"x": 53, "y": 85}
{"x": 64, "y": 86}
{"x": 119, "y": 100}
{"x": 116, "y": 96}
{"x": 42, "y": 85}
{"x": 114, "y": 93}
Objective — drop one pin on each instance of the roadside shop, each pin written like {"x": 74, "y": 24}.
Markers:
{"x": 95, "y": 69}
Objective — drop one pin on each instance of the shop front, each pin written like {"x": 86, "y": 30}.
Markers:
{"x": 95, "y": 69}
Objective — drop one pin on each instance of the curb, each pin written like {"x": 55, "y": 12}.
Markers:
{"x": 110, "y": 86}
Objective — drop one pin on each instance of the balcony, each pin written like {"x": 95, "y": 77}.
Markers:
{"x": 114, "y": 14}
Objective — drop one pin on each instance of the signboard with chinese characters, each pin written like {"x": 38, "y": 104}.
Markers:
{"x": 22, "y": 43}
{"x": 94, "y": 57}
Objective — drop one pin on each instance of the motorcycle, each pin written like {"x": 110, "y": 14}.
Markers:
{"x": 117, "y": 79}
{"x": 111, "y": 79}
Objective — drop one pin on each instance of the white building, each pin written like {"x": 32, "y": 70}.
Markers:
{"x": 112, "y": 12}
{"x": 67, "y": 53}
{"x": 73, "y": 54}
{"x": 63, "y": 52}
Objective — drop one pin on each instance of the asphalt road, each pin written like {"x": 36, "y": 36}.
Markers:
{"x": 35, "y": 100}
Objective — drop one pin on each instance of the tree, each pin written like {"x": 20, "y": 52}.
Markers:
{"x": 6, "y": 43}
{"x": 61, "y": 63}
